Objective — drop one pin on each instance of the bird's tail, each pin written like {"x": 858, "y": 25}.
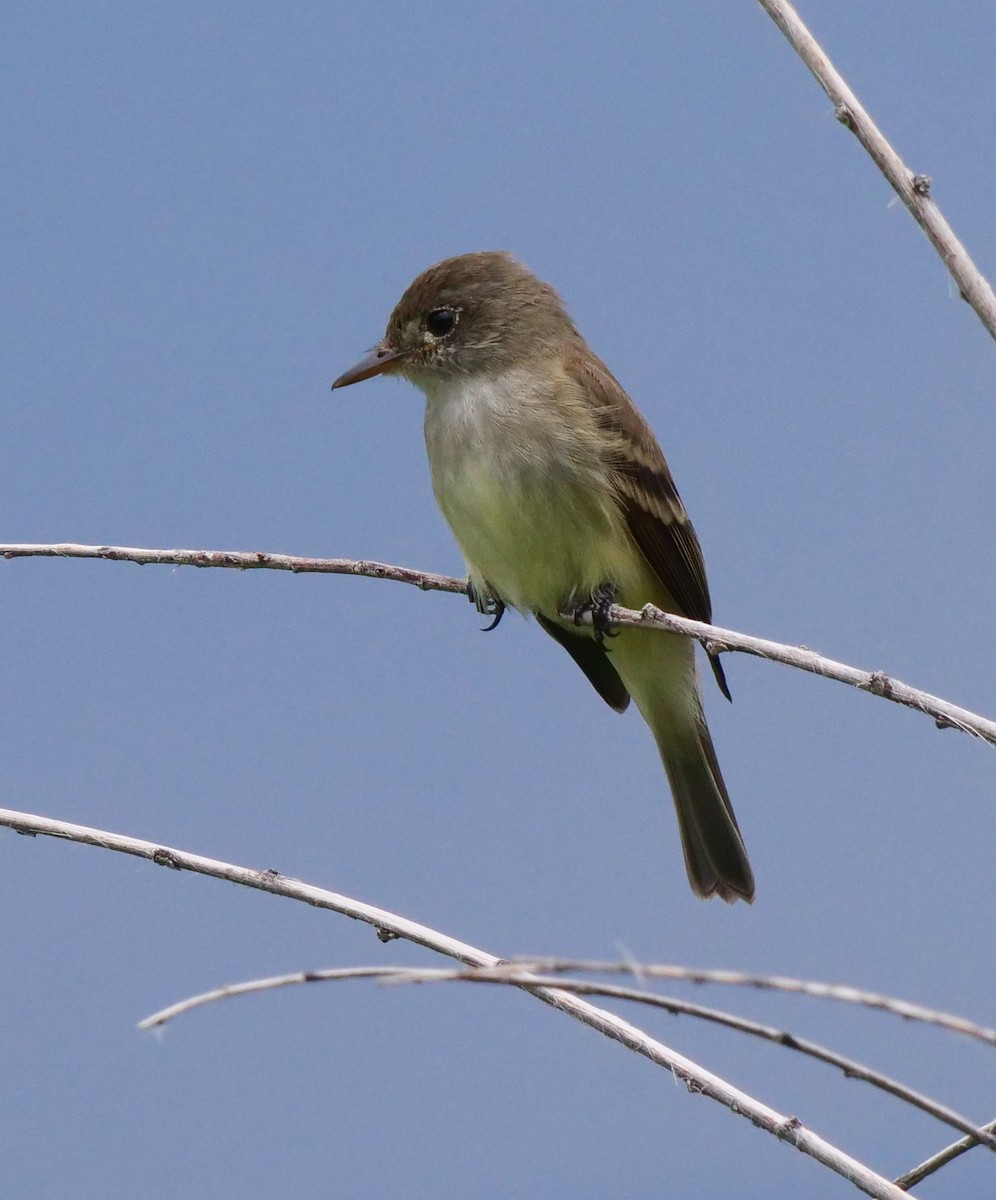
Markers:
{"x": 659, "y": 671}
{"x": 715, "y": 857}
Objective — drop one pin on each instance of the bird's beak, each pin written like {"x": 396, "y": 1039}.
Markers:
{"x": 380, "y": 359}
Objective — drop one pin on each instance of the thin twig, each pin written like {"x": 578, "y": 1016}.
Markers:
{"x": 240, "y": 560}
{"x": 940, "y": 1159}
{"x": 778, "y": 983}
{"x": 945, "y": 714}
{"x": 699, "y": 1081}
{"x": 581, "y": 987}
{"x": 912, "y": 189}
{"x": 271, "y": 983}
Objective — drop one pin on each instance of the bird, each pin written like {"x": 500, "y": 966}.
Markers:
{"x": 562, "y": 504}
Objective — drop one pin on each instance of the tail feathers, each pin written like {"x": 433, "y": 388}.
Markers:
{"x": 715, "y": 857}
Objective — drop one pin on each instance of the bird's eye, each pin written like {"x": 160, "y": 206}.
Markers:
{"x": 441, "y": 321}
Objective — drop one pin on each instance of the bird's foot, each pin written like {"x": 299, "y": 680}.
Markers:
{"x": 597, "y": 605}
{"x": 487, "y": 603}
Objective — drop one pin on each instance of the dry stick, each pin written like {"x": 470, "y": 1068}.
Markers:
{"x": 582, "y": 987}
{"x": 388, "y": 925}
{"x": 778, "y": 983}
{"x": 940, "y": 1159}
{"x": 913, "y": 190}
{"x": 240, "y": 560}
{"x": 976, "y": 1134}
{"x": 717, "y": 640}
{"x": 945, "y": 714}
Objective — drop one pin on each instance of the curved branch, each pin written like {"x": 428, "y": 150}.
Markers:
{"x": 851, "y": 1068}
{"x": 913, "y": 190}
{"x": 945, "y": 714}
{"x": 776, "y": 983}
{"x": 388, "y": 925}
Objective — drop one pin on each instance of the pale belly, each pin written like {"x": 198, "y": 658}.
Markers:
{"x": 541, "y": 545}
{"x": 532, "y": 512}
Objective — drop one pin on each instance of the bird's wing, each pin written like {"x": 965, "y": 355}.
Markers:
{"x": 648, "y": 498}
{"x": 590, "y": 656}
{"x": 650, "y": 503}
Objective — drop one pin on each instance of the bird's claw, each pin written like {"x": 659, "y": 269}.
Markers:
{"x": 497, "y": 612}
{"x": 597, "y": 605}
{"x": 488, "y": 604}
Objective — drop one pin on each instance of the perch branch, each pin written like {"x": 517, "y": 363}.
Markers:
{"x": 945, "y": 714}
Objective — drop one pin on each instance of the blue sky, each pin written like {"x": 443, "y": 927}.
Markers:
{"x": 209, "y": 211}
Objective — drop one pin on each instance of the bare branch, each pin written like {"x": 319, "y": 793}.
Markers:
{"x": 240, "y": 560}
{"x": 940, "y": 1159}
{"x": 388, "y": 925}
{"x": 913, "y": 190}
{"x": 582, "y": 987}
{"x": 272, "y": 983}
{"x": 778, "y": 983}
{"x": 945, "y": 714}
{"x": 716, "y": 639}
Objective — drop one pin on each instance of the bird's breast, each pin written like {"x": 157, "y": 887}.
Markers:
{"x": 525, "y": 492}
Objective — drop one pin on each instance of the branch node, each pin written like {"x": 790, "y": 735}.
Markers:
{"x": 921, "y": 184}
{"x": 712, "y": 647}
{"x": 166, "y": 858}
{"x": 789, "y": 1128}
{"x": 879, "y": 684}
{"x": 844, "y": 115}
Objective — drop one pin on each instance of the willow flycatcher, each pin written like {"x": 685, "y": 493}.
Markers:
{"x": 562, "y": 503}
